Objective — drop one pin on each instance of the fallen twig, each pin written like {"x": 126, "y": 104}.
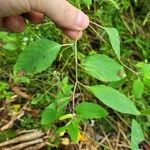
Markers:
{"x": 23, "y": 138}
{"x": 25, "y": 144}
{"x": 18, "y": 92}
{"x": 37, "y": 147}
{"x": 11, "y": 122}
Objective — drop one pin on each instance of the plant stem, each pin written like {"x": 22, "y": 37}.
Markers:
{"x": 76, "y": 76}
{"x": 134, "y": 72}
{"x": 98, "y": 35}
{"x": 96, "y": 24}
{"x": 70, "y": 44}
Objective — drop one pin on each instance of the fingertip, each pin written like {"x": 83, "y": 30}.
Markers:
{"x": 73, "y": 34}
{"x": 14, "y": 23}
{"x": 34, "y": 17}
{"x": 82, "y": 20}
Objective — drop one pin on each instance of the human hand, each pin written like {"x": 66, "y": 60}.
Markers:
{"x": 68, "y": 18}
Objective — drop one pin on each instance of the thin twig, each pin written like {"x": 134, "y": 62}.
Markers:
{"x": 76, "y": 74}
{"x": 23, "y": 138}
{"x": 101, "y": 38}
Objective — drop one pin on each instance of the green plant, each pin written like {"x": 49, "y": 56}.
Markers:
{"x": 86, "y": 81}
{"x": 40, "y": 54}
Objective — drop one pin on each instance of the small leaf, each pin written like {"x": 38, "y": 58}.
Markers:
{"x": 73, "y": 131}
{"x": 146, "y": 112}
{"x": 136, "y": 135}
{"x": 114, "y": 99}
{"x": 138, "y": 88}
{"x": 90, "y": 111}
{"x": 49, "y": 116}
{"x": 114, "y": 39}
{"x": 103, "y": 68}
{"x": 67, "y": 116}
{"x": 145, "y": 71}
{"x": 37, "y": 57}
{"x": 87, "y": 2}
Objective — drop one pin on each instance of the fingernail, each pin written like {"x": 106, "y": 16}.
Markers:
{"x": 83, "y": 20}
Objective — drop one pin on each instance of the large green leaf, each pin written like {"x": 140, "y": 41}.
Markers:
{"x": 103, "y": 68}
{"x": 37, "y": 57}
{"x": 114, "y": 39}
{"x": 138, "y": 88}
{"x": 136, "y": 135}
{"x": 114, "y": 99}
{"x": 87, "y": 110}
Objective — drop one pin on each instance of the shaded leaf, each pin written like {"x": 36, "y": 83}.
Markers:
{"x": 73, "y": 131}
{"x": 90, "y": 111}
{"x": 49, "y": 116}
{"x": 103, "y": 68}
{"x": 37, "y": 57}
{"x": 146, "y": 112}
{"x": 136, "y": 135}
{"x": 114, "y": 99}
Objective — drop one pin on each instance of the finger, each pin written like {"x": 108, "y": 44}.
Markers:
{"x": 14, "y": 23}
{"x": 62, "y": 13}
{"x": 13, "y": 7}
{"x": 34, "y": 17}
{"x": 72, "y": 34}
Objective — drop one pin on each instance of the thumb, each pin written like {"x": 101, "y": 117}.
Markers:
{"x": 62, "y": 13}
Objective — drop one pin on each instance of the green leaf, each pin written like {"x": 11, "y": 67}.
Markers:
{"x": 73, "y": 131}
{"x": 10, "y": 46}
{"x": 103, "y": 68}
{"x": 146, "y": 112}
{"x": 114, "y": 39}
{"x": 145, "y": 71}
{"x": 138, "y": 88}
{"x": 49, "y": 116}
{"x": 114, "y": 99}
{"x": 37, "y": 57}
{"x": 87, "y": 2}
{"x": 67, "y": 116}
{"x": 136, "y": 135}
{"x": 90, "y": 111}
